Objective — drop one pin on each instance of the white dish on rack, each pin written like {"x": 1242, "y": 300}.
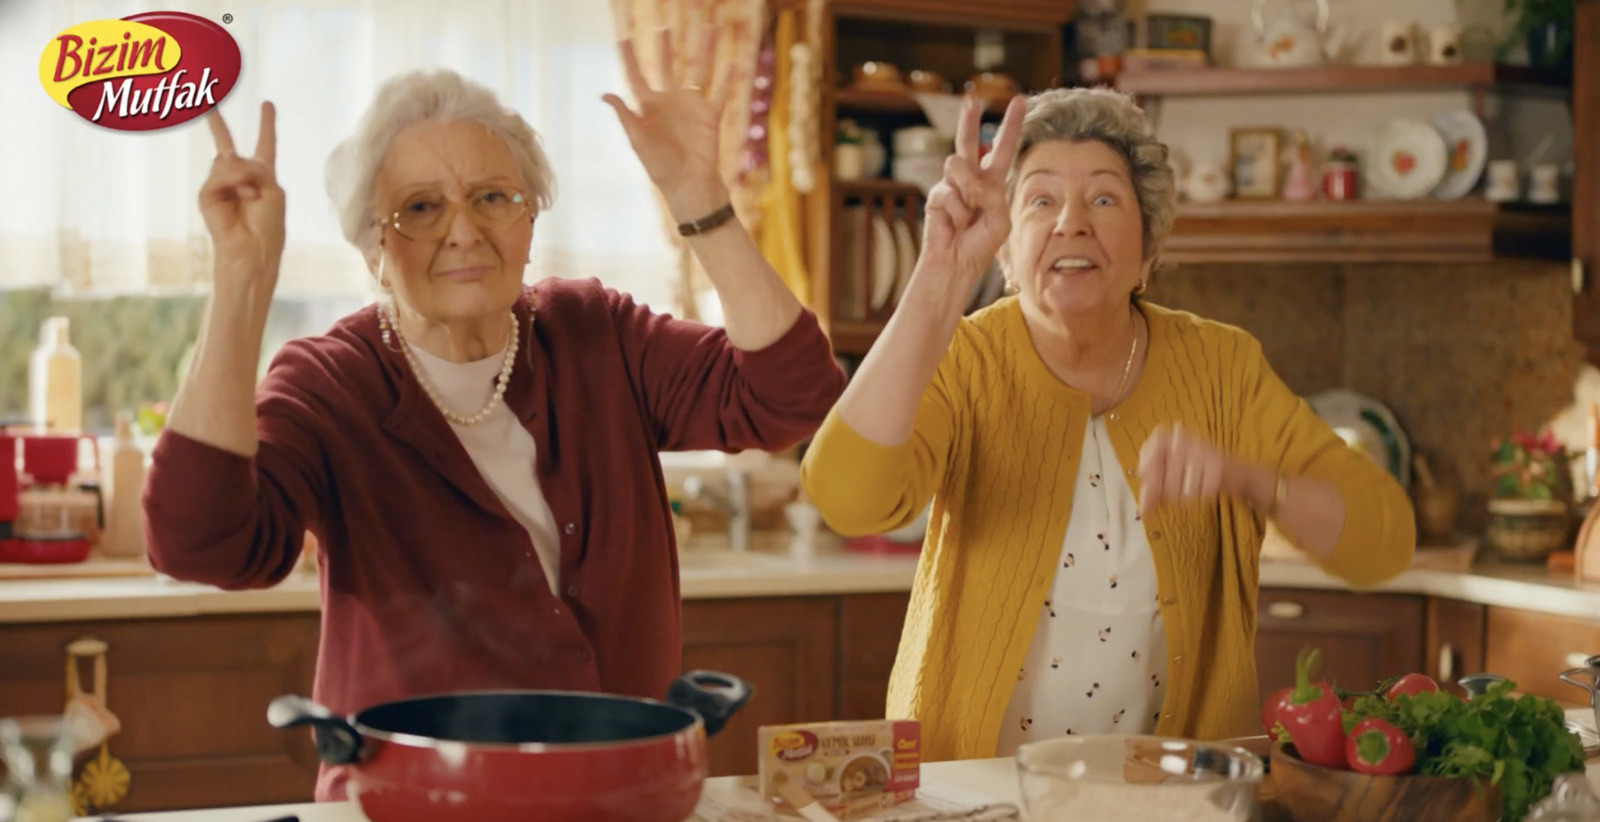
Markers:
{"x": 884, "y": 270}
{"x": 905, "y": 245}
{"x": 1466, "y": 144}
{"x": 1370, "y": 425}
{"x": 1409, "y": 158}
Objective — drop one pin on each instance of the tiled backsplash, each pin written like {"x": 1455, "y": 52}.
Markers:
{"x": 1461, "y": 354}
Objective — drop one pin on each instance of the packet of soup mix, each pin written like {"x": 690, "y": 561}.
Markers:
{"x": 850, "y": 768}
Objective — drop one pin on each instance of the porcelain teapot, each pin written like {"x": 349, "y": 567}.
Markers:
{"x": 1288, "y": 39}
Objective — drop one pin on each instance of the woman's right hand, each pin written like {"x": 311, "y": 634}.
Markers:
{"x": 243, "y": 207}
{"x": 967, "y": 218}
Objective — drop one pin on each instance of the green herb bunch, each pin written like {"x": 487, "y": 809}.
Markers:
{"x": 1520, "y": 744}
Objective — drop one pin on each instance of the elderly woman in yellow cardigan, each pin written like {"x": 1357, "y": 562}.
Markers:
{"x": 1101, "y": 469}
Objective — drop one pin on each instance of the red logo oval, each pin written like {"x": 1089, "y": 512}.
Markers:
{"x": 123, "y": 77}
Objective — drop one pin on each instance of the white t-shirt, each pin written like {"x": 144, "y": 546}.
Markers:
{"x": 1098, "y": 661}
{"x": 503, "y": 451}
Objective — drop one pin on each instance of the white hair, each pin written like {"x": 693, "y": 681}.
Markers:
{"x": 436, "y": 94}
{"x": 1109, "y": 117}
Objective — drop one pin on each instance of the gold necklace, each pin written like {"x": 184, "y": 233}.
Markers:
{"x": 1128, "y": 366}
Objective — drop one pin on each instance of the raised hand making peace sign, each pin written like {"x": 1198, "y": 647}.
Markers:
{"x": 967, "y": 216}
{"x": 243, "y": 207}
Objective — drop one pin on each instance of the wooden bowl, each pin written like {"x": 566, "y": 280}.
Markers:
{"x": 1311, "y": 793}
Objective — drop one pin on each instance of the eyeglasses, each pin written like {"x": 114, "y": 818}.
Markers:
{"x": 428, "y": 216}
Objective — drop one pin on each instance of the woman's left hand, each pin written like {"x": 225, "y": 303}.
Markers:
{"x": 675, "y": 129}
{"x": 1177, "y": 465}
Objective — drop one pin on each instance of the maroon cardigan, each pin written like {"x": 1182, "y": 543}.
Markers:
{"x": 428, "y": 583}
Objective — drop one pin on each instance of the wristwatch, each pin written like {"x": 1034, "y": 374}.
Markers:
{"x": 706, "y": 223}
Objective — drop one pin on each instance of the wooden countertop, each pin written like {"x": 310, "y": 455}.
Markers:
{"x": 771, "y": 569}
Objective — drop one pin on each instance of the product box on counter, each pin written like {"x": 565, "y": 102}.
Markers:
{"x": 850, "y": 768}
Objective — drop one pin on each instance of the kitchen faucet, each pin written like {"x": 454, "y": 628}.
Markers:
{"x": 735, "y": 503}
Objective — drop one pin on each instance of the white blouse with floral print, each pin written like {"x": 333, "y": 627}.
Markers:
{"x": 1097, "y": 664}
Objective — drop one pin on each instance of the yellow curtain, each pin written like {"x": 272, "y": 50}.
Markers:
{"x": 781, "y": 229}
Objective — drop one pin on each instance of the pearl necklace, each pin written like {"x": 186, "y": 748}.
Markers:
{"x": 500, "y": 382}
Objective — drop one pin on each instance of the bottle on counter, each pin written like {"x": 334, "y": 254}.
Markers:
{"x": 55, "y": 380}
{"x": 125, "y": 525}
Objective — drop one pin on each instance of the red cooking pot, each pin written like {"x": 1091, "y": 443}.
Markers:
{"x": 513, "y": 756}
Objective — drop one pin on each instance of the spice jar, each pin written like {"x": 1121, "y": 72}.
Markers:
{"x": 1341, "y": 175}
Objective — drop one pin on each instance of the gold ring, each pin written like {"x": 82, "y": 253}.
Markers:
{"x": 694, "y": 87}
{"x": 1188, "y": 481}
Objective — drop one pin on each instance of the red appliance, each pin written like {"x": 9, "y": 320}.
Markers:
{"x": 515, "y": 756}
{"x": 47, "y": 460}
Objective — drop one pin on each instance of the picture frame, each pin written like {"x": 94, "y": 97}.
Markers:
{"x": 1253, "y": 162}
{"x": 1177, "y": 32}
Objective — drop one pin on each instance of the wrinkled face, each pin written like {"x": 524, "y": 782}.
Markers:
{"x": 465, "y": 221}
{"x": 1077, "y": 235}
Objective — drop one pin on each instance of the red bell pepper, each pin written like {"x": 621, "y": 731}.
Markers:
{"x": 1313, "y": 716}
{"x": 1411, "y": 685}
{"x": 1270, "y": 708}
{"x": 1377, "y": 747}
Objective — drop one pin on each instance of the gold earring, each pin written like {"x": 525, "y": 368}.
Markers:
{"x": 1011, "y": 286}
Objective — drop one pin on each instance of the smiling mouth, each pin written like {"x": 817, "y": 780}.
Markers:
{"x": 467, "y": 274}
{"x": 1072, "y": 265}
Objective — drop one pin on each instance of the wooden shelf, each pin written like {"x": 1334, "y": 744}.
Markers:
{"x": 1431, "y": 231}
{"x": 1339, "y": 78}
{"x": 854, "y": 336}
{"x": 878, "y": 187}
{"x": 888, "y": 102}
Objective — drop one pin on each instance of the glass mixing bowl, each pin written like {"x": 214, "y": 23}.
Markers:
{"x": 1144, "y": 778}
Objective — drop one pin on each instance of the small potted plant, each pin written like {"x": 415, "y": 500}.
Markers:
{"x": 1528, "y": 514}
{"x": 1545, "y": 28}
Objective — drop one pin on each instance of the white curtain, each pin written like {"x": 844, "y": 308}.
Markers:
{"x": 92, "y": 211}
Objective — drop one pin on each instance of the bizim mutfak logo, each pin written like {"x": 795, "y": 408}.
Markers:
{"x": 141, "y": 73}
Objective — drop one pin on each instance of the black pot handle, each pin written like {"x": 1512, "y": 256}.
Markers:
{"x": 338, "y": 742}
{"x": 714, "y": 696}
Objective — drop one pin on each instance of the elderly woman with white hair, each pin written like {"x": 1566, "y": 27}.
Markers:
{"x": 1101, "y": 469}
{"x": 477, "y": 458}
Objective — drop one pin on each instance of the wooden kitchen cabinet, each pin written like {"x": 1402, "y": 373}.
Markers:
{"x": 1532, "y": 649}
{"x": 869, "y": 637}
{"x": 811, "y": 659}
{"x": 1364, "y": 637}
{"x": 1455, "y": 641}
{"x": 192, "y": 697}
{"x": 1586, "y": 179}
{"x": 784, "y": 647}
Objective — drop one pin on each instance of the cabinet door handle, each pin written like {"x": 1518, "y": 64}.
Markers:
{"x": 1447, "y": 662}
{"x": 1286, "y": 610}
{"x": 1578, "y": 278}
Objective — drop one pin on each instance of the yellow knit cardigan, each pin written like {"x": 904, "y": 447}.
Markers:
{"x": 996, "y": 446}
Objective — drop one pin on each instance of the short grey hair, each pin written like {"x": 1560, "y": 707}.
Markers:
{"x": 1109, "y": 117}
{"x": 431, "y": 94}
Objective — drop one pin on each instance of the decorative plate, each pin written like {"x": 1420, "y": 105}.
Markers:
{"x": 1369, "y": 426}
{"x": 1408, "y": 158}
{"x": 1466, "y": 149}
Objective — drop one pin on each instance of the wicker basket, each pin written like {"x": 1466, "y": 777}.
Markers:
{"x": 1527, "y": 530}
